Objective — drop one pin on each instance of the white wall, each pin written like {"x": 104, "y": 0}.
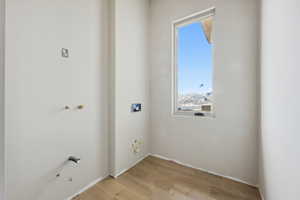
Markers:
{"x": 39, "y": 82}
{"x": 227, "y": 144}
{"x": 130, "y": 81}
{"x": 280, "y": 150}
{"x": 2, "y": 27}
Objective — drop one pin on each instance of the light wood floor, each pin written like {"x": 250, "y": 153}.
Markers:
{"x": 156, "y": 179}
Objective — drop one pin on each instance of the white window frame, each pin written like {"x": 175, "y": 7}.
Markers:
{"x": 196, "y": 17}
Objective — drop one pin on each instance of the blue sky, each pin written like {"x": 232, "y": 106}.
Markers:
{"x": 194, "y": 60}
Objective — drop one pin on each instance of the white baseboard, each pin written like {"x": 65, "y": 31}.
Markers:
{"x": 125, "y": 170}
{"x": 87, "y": 187}
{"x": 204, "y": 170}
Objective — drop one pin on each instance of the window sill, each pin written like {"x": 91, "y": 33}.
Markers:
{"x": 191, "y": 114}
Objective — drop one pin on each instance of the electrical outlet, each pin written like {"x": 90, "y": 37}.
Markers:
{"x": 137, "y": 107}
{"x": 136, "y": 146}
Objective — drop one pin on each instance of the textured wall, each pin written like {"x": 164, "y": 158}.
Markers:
{"x": 39, "y": 82}
{"x": 279, "y": 155}
{"x": 130, "y": 81}
{"x": 226, "y": 144}
{"x": 2, "y": 30}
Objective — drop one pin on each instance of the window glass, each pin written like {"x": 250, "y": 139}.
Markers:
{"x": 194, "y": 65}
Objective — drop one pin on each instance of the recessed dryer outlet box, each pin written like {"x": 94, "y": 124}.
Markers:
{"x": 65, "y": 53}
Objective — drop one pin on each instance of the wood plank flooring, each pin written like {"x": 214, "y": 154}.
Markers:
{"x": 156, "y": 179}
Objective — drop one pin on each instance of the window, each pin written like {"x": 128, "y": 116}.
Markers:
{"x": 193, "y": 64}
